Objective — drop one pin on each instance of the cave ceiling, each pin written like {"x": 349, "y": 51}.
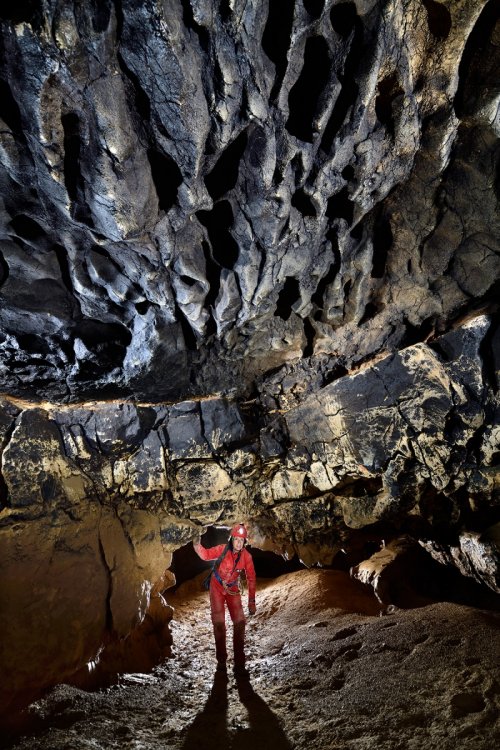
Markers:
{"x": 249, "y": 263}
{"x": 249, "y": 257}
{"x": 195, "y": 193}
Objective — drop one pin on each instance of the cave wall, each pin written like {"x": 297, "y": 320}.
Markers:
{"x": 98, "y": 495}
{"x": 248, "y": 270}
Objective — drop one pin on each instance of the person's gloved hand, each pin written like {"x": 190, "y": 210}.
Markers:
{"x": 251, "y": 607}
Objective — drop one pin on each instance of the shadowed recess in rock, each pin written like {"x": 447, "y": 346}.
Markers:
{"x": 303, "y": 203}
{"x": 480, "y": 49}
{"x": 17, "y": 11}
{"x": 224, "y": 175}
{"x": 318, "y": 297}
{"x": 106, "y": 345}
{"x": 26, "y": 227}
{"x": 340, "y": 206}
{"x": 9, "y": 109}
{"x": 388, "y": 102}
{"x": 382, "y": 243}
{"x": 346, "y": 23}
{"x": 101, "y": 13}
{"x": 289, "y": 294}
{"x": 73, "y": 177}
{"x": 309, "y": 333}
{"x": 438, "y": 18}
{"x": 189, "y": 20}
{"x": 141, "y": 100}
{"x": 166, "y": 176}
{"x": 305, "y": 98}
{"x": 314, "y": 7}
{"x": 4, "y": 269}
{"x": 218, "y": 222}
{"x": 276, "y": 37}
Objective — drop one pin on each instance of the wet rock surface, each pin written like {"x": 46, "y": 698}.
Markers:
{"x": 324, "y": 668}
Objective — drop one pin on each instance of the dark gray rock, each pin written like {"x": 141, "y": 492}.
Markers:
{"x": 193, "y": 196}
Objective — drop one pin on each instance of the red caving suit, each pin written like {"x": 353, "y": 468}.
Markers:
{"x": 219, "y": 595}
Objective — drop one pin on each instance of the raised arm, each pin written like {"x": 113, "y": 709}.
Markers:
{"x": 207, "y": 554}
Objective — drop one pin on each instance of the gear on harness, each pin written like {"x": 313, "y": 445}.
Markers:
{"x": 215, "y": 564}
{"x": 239, "y": 531}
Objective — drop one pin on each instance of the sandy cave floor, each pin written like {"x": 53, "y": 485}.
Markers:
{"x": 326, "y": 671}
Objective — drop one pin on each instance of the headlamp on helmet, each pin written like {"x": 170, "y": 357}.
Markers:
{"x": 240, "y": 531}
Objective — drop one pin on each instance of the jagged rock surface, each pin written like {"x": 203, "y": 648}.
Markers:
{"x": 114, "y": 488}
{"x": 194, "y": 194}
{"x": 273, "y": 228}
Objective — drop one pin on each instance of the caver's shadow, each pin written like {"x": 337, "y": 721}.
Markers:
{"x": 209, "y": 729}
{"x": 265, "y": 729}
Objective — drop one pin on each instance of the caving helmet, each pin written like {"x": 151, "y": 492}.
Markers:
{"x": 239, "y": 530}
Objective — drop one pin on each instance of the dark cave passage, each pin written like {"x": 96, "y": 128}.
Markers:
{"x": 186, "y": 564}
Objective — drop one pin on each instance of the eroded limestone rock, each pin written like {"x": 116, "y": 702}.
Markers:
{"x": 192, "y": 195}
{"x": 110, "y": 490}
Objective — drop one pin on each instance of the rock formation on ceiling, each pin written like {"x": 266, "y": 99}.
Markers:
{"x": 264, "y": 238}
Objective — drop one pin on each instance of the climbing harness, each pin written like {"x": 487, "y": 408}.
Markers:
{"x": 228, "y": 587}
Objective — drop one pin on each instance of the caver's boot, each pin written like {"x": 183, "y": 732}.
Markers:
{"x": 220, "y": 645}
{"x": 239, "y": 649}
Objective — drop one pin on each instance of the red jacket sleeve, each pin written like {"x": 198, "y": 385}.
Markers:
{"x": 208, "y": 554}
{"x": 250, "y": 574}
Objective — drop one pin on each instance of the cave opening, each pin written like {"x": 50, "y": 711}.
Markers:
{"x": 72, "y": 148}
{"x": 340, "y": 206}
{"x": 19, "y": 11}
{"x": 4, "y": 269}
{"x": 315, "y": 8}
{"x": 438, "y": 19}
{"x": 141, "y": 99}
{"x": 318, "y": 297}
{"x": 73, "y": 176}
{"x": 187, "y": 565}
{"x": 382, "y": 243}
{"x": 478, "y": 48}
{"x": 105, "y": 347}
{"x": 27, "y": 228}
{"x": 303, "y": 203}
{"x": 101, "y": 14}
{"x": 343, "y": 17}
{"x": 190, "y": 23}
{"x": 345, "y": 22}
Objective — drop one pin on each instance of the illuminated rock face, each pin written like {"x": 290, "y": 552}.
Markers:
{"x": 269, "y": 232}
{"x": 109, "y": 490}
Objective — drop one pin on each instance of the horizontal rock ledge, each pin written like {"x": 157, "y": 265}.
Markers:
{"x": 97, "y": 497}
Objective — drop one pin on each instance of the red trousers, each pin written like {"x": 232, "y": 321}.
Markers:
{"x": 219, "y": 597}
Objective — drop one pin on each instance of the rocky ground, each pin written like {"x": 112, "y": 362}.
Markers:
{"x": 326, "y": 671}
